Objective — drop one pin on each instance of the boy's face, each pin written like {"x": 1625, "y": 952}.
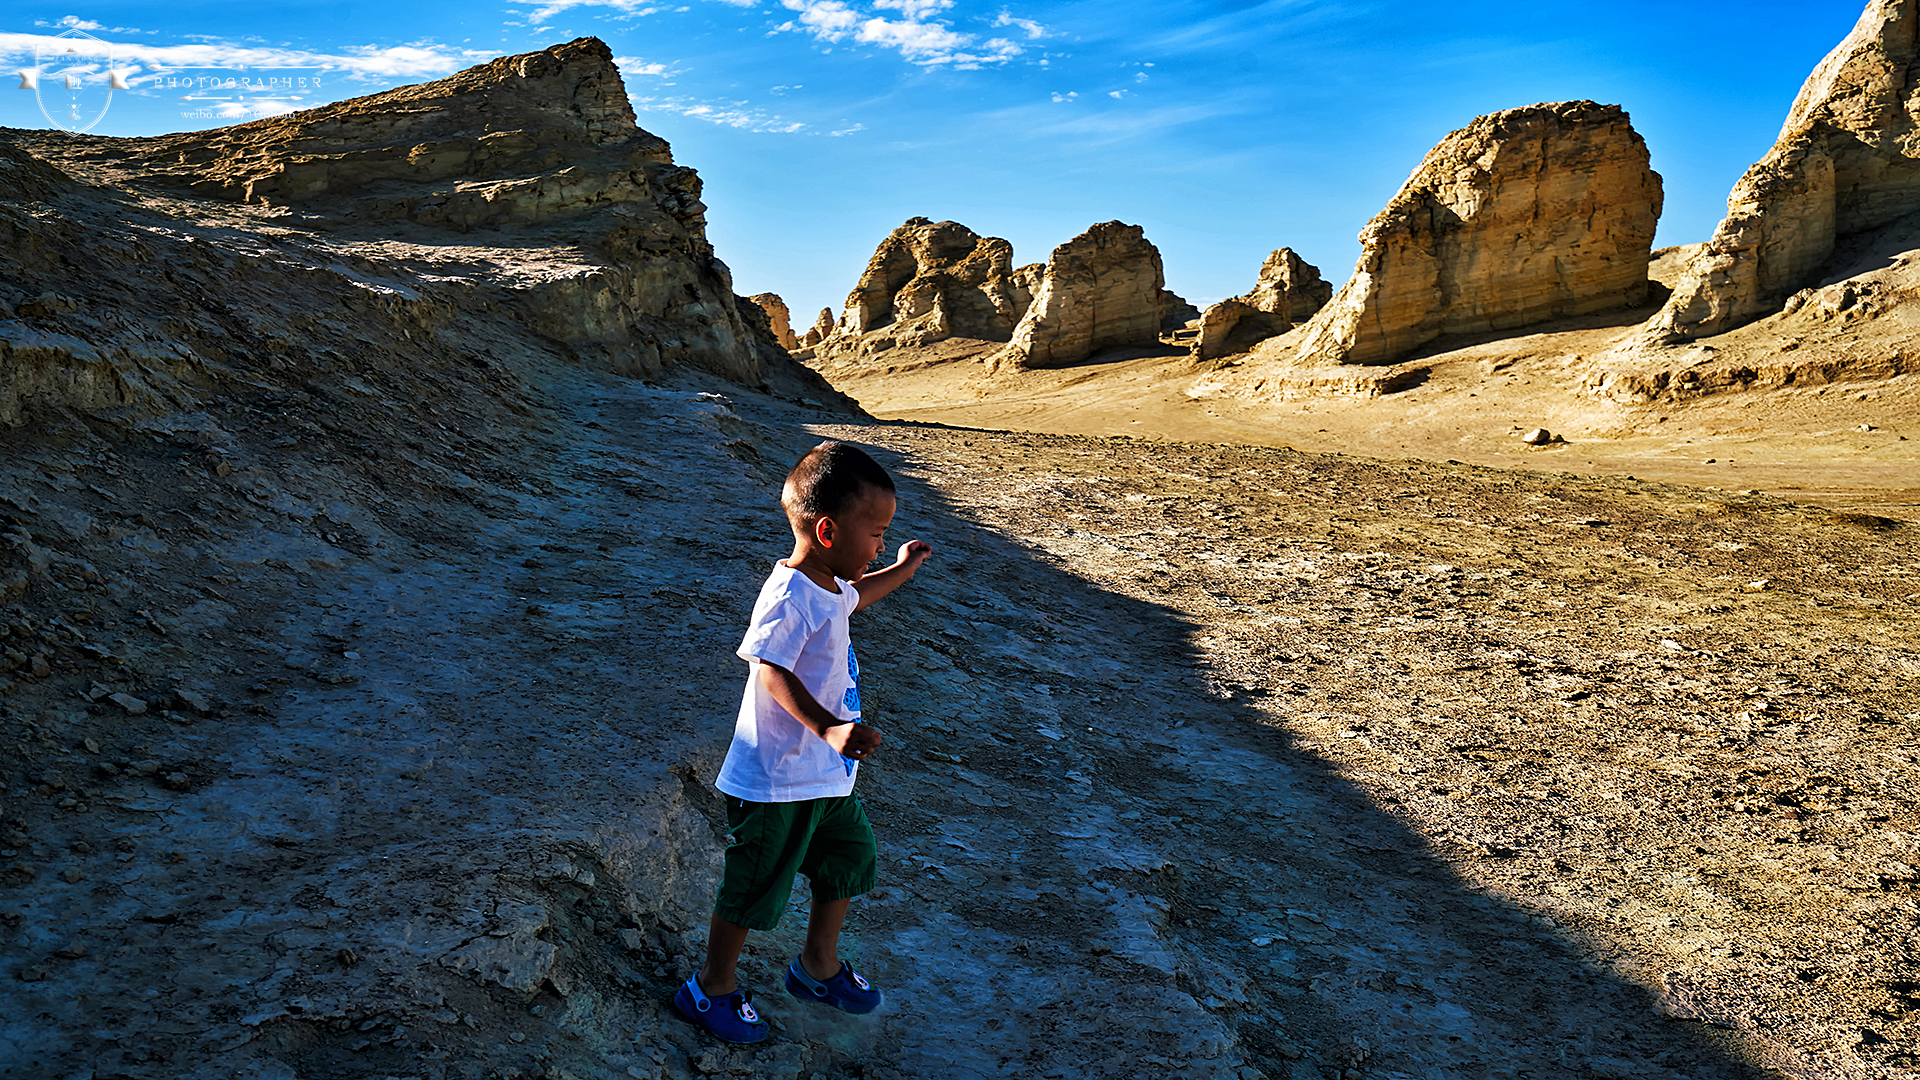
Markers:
{"x": 858, "y": 533}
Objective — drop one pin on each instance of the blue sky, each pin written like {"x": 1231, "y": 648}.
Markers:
{"x": 1226, "y": 128}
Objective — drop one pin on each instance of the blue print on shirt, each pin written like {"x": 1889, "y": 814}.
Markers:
{"x": 852, "y": 699}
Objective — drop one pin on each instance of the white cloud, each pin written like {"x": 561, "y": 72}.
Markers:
{"x": 848, "y": 130}
{"x": 1068, "y": 96}
{"x": 633, "y": 65}
{"x": 364, "y": 61}
{"x": 917, "y": 37}
{"x": 733, "y": 114}
{"x": 1033, "y": 29}
{"x": 1139, "y": 76}
{"x": 1116, "y": 93}
{"x": 75, "y": 22}
{"x": 547, "y": 9}
{"x": 915, "y": 10}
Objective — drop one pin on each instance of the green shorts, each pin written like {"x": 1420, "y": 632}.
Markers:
{"x": 828, "y": 840}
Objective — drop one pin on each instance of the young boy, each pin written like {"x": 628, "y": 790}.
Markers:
{"x": 798, "y": 744}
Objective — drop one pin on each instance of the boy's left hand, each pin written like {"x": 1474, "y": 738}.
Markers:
{"x": 914, "y": 552}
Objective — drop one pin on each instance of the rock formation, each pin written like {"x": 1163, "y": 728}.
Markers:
{"x": 1847, "y": 161}
{"x": 1289, "y": 291}
{"x": 1101, "y": 290}
{"x": 822, "y": 326}
{"x": 779, "y": 321}
{"x": 1520, "y": 217}
{"x": 539, "y": 149}
{"x": 929, "y": 281}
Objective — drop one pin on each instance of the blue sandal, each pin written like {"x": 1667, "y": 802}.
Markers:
{"x": 729, "y": 1017}
{"x": 845, "y": 991}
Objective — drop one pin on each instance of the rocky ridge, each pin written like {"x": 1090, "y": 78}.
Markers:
{"x": 467, "y": 173}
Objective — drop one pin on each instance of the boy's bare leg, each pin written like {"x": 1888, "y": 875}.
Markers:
{"x": 724, "y": 942}
{"x": 821, "y": 954}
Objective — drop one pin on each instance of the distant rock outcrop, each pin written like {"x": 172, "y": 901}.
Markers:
{"x": 1520, "y": 217}
{"x": 929, "y": 281}
{"x": 822, "y": 326}
{"x": 1847, "y": 161}
{"x": 779, "y": 321}
{"x": 1289, "y": 291}
{"x": 1104, "y": 289}
{"x": 541, "y": 145}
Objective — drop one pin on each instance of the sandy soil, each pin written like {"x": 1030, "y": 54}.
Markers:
{"x": 1853, "y": 443}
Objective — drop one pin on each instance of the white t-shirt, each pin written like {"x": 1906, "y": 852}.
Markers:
{"x": 803, "y": 628}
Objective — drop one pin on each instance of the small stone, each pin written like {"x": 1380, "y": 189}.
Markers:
{"x": 175, "y": 781}
{"x": 92, "y": 745}
{"x": 72, "y": 876}
{"x": 36, "y": 973}
{"x": 1757, "y": 586}
{"x": 146, "y": 768}
{"x": 71, "y": 952}
{"x": 347, "y": 957}
{"x": 517, "y": 1037}
{"x": 133, "y": 705}
{"x": 42, "y": 667}
{"x": 706, "y": 1062}
{"x": 1537, "y": 437}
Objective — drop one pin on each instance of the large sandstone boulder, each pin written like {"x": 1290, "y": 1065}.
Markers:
{"x": 929, "y": 281}
{"x": 531, "y": 151}
{"x": 1288, "y": 291}
{"x": 1103, "y": 289}
{"x": 1847, "y": 161}
{"x": 1520, "y": 217}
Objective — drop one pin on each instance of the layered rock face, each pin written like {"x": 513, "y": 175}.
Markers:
{"x": 535, "y": 149}
{"x": 1104, "y": 289}
{"x": 929, "y": 281}
{"x": 1289, "y": 291}
{"x": 1847, "y": 161}
{"x": 1523, "y": 216}
{"x": 779, "y": 320}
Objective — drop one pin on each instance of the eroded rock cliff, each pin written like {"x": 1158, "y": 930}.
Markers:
{"x": 470, "y": 175}
{"x": 1522, "y": 216}
{"x": 1288, "y": 291}
{"x": 779, "y": 319}
{"x": 927, "y": 282}
{"x": 1847, "y": 162}
{"x": 1103, "y": 289}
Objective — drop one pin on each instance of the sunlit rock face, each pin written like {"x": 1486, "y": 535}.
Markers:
{"x": 928, "y": 281}
{"x": 1847, "y": 162}
{"x": 1103, "y": 289}
{"x": 1521, "y": 217}
{"x": 532, "y": 152}
{"x": 1289, "y": 291}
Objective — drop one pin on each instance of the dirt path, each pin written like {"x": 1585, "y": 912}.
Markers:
{"x": 1203, "y": 761}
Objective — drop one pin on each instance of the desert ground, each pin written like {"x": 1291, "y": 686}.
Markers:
{"x": 1203, "y": 759}
{"x": 1852, "y": 442}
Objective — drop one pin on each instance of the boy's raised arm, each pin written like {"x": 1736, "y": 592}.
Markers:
{"x": 873, "y": 586}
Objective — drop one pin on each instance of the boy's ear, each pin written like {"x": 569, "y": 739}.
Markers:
{"x": 823, "y": 530}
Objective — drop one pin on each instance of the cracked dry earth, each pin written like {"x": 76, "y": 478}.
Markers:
{"x": 1202, "y": 761}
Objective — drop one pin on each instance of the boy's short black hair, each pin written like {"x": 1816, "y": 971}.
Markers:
{"x": 829, "y": 477}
